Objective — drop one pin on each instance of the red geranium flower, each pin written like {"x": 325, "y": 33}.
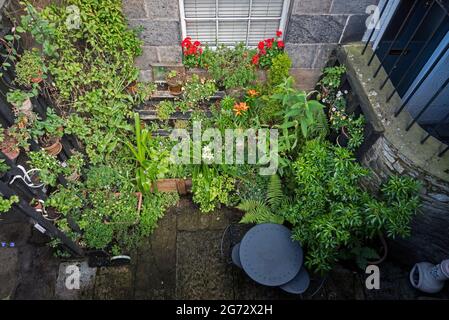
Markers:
{"x": 281, "y": 44}
{"x": 269, "y": 43}
{"x": 255, "y": 59}
{"x": 197, "y": 43}
{"x": 263, "y": 51}
{"x": 261, "y": 45}
{"x": 279, "y": 33}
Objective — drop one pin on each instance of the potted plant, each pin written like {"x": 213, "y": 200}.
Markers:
{"x": 49, "y": 132}
{"x": 9, "y": 146}
{"x": 48, "y": 166}
{"x": 30, "y": 70}
{"x": 74, "y": 166}
{"x": 21, "y": 101}
{"x": 175, "y": 80}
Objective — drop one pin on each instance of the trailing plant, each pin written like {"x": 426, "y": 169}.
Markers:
{"x": 196, "y": 90}
{"x": 49, "y": 166}
{"x": 165, "y": 109}
{"x": 50, "y": 128}
{"x": 3, "y": 166}
{"x": 210, "y": 188}
{"x": 6, "y": 204}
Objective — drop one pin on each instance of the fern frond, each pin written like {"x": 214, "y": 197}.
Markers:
{"x": 275, "y": 195}
{"x": 258, "y": 212}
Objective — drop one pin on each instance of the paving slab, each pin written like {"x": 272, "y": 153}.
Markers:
{"x": 8, "y": 272}
{"x": 66, "y": 289}
{"x": 114, "y": 283}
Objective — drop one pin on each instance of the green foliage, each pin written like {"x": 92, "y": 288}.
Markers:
{"x": 279, "y": 70}
{"x": 6, "y": 204}
{"x": 230, "y": 67}
{"x": 268, "y": 210}
{"x": 196, "y": 90}
{"x": 50, "y": 127}
{"x": 18, "y": 97}
{"x": 210, "y": 189}
{"x": 165, "y": 109}
{"x": 153, "y": 163}
{"x": 30, "y": 69}
{"x": 65, "y": 200}
{"x": 49, "y": 166}
{"x": 3, "y": 166}
{"x": 332, "y": 212}
{"x": 332, "y": 77}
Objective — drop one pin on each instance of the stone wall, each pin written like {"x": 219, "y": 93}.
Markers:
{"x": 316, "y": 27}
{"x": 161, "y": 32}
{"x": 430, "y": 228}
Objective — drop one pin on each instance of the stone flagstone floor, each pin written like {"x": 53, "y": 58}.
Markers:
{"x": 181, "y": 260}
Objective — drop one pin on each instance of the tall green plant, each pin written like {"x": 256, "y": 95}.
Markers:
{"x": 152, "y": 162}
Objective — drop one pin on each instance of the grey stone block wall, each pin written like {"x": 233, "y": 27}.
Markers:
{"x": 161, "y": 32}
{"x": 316, "y": 27}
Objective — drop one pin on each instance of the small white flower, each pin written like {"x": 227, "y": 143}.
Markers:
{"x": 346, "y": 92}
{"x": 207, "y": 154}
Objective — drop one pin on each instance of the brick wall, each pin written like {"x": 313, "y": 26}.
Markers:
{"x": 316, "y": 27}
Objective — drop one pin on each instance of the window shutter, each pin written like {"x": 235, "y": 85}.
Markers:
{"x": 267, "y": 8}
{"x": 203, "y": 31}
{"x": 199, "y": 8}
{"x": 233, "y": 8}
{"x": 232, "y": 32}
{"x": 260, "y": 30}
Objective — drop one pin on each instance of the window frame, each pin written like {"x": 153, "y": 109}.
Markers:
{"x": 282, "y": 20}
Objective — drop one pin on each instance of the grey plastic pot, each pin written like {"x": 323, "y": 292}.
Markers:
{"x": 429, "y": 278}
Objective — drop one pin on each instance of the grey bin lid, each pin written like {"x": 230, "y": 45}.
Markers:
{"x": 236, "y": 255}
{"x": 299, "y": 284}
{"x": 269, "y": 255}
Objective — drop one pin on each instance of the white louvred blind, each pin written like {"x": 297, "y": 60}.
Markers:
{"x": 199, "y": 8}
{"x": 231, "y": 21}
{"x": 267, "y": 8}
{"x": 232, "y": 32}
{"x": 260, "y": 30}
{"x": 233, "y": 8}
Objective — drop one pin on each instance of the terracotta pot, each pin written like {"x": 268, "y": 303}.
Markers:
{"x": 9, "y": 147}
{"x": 175, "y": 90}
{"x": 38, "y": 79}
{"x": 54, "y": 149}
{"x": 132, "y": 88}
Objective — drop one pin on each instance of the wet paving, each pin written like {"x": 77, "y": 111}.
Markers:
{"x": 187, "y": 257}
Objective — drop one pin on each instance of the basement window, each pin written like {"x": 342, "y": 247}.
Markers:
{"x": 229, "y": 22}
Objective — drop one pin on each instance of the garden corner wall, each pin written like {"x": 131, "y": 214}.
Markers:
{"x": 314, "y": 30}
{"x": 161, "y": 32}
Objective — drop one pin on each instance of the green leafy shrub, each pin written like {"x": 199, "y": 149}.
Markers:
{"x": 196, "y": 90}
{"x": 230, "y": 67}
{"x": 165, "y": 109}
{"x": 30, "y": 69}
{"x": 279, "y": 70}
{"x": 210, "y": 189}
{"x": 333, "y": 213}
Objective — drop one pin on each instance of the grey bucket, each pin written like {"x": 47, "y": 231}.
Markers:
{"x": 428, "y": 277}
